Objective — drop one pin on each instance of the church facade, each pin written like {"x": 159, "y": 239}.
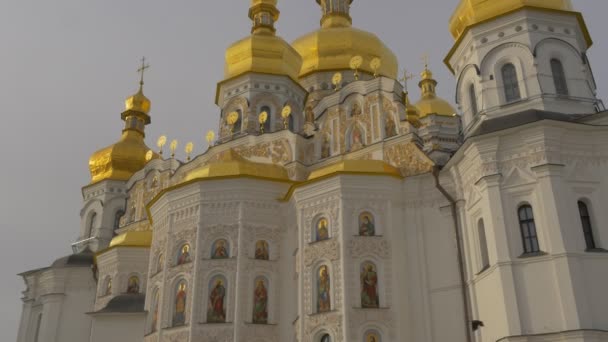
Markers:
{"x": 330, "y": 207}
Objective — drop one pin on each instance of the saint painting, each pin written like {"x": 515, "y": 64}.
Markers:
{"x": 184, "y": 255}
{"x": 372, "y": 336}
{"x": 369, "y": 286}
{"x": 155, "y": 312}
{"x": 220, "y": 250}
{"x": 179, "y": 317}
{"x": 322, "y": 231}
{"x": 216, "y": 312}
{"x": 389, "y": 127}
{"x": 366, "y": 224}
{"x": 325, "y": 149}
{"x": 133, "y": 285}
{"x": 323, "y": 290}
{"x": 261, "y": 250}
{"x": 260, "y": 302}
{"x": 356, "y": 138}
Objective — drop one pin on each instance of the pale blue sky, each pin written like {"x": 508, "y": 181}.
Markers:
{"x": 67, "y": 65}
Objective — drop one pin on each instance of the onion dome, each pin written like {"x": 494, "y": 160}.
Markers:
{"x": 471, "y": 12}
{"x": 429, "y": 102}
{"x": 412, "y": 113}
{"x": 122, "y": 159}
{"x": 263, "y": 51}
{"x": 332, "y": 47}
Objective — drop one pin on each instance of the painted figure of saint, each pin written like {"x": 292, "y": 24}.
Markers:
{"x": 369, "y": 286}
{"x": 372, "y": 337}
{"x": 357, "y": 139}
{"x": 389, "y": 127}
{"x": 179, "y": 317}
{"x": 220, "y": 250}
{"x": 323, "y": 290}
{"x": 325, "y": 149}
{"x": 310, "y": 115}
{"x": 216, "y": 313}
{"x": 366, "y": 225}
{"x": 260, "y": 303}
{"x": 184, "y": 255}
{"x": 356, "y": 110}
{"x": 155, "y": 313}
{"x": 109, "y": 287}
{"x": 322, "y": 230}
{"x": 133, "y": 286}
{"x": 261, "y": 250}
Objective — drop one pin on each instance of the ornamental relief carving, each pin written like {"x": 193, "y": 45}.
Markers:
{"x": 260, "y": 333}
{"x": 368, "y": 245}
{"x": 328, "y": 249}
{"x": 216, "y": 333}
{"x": 261, "y": 150}
{"x": 381, "y": 318}
{"x": 331, "y": 321}
{"x": 209, "y": 266}
{"x": 409, "y": 159}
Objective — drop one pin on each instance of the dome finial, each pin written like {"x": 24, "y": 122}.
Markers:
{"x": 264, "y": 14}
{"x": 141, "y": 71}
{"x": 336, "y": 13}
{"x": 138, "y": 102}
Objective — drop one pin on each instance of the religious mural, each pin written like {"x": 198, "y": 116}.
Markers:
{"x": 260, "y": 301}
{"x": 216, "y": 310}
{"x": 372, "y": 336}
{"x": 261, "y": 250}
{"x": 356, "y": 138}
{"x": 366, "y": 224}
{"x": 184, "y": 255}
{"x": 220, "y": 250}
{"x": 133, "y": 285}
{"x": 323, "y": 290}
{"x": 369, "y": 286}
{"x": 179, "y": 316}
{"x": 322, "y": 230}
{"x": 389, "y": 127}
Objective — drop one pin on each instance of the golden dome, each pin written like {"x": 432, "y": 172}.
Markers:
{"x": 133, "y": 239}
{"x": 430, "y": 103}
{"x": 332, "y": 47}
{"x": 122, "y": 159}
{"x": 230, "y": 164}
{"x": 138, "y": 102}
{"x": 262, "y": 51}
{"x": 471, "y": 12}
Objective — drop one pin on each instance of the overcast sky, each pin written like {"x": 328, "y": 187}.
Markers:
{"x": 66, "y": 67}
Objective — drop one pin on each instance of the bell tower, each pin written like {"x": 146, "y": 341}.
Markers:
{"x": 512, "y": 56}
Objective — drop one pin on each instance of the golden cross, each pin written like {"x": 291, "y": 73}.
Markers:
{"x": 425, "y": 59}
{"x": 142, "y": 69}
{"x": 406, "y": 77}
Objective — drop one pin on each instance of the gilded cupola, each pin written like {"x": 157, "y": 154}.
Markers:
{"x": 429, "y": 102}
{"x": 263, "y": 51}
{"x": 336, "y": 42}
{"x": 122, "y": 159}
{"x": 471, "y": 12}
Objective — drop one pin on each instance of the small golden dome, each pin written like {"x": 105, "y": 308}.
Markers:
{"x": 471, "y": 12}
{"x": 333, "y": 46}
{"x": 138, "y": 102}
{"x": 133, "y": 239}
{"x": 262, "y": 52}
{"x": 430, "y": 103}
{"x": 121, "y": 160}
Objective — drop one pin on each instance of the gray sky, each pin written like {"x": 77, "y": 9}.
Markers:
{"x": 66, "y": 67}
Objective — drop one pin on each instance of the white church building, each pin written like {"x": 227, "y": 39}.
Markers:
{"x": 331, "y": 208}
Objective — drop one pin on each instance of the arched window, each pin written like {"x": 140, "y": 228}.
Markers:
{"x": 179, "y": 308}
{"x": 483, "y": 245}
{"x": 473, "y": 99}
{"x": 369, "y": 286}
{"x": 528, "y": 229}
{"x": 236, "y": 129}
{"x": 325, "y": 338}
{"x": 510, "y": 83}
{"x": 372, "y": 336}
{"x": 268, "y": 123}
{"x": 559, "y": 77}
{"x": 133, "y": 285}
{"x": 291, "y": 123}
{"x": 323, "y": 285}
{"x": 586, "y": 222}
{"x": 216, "y": 307}
{"x": 119, "y": 214}
{"x": 92, "y": 223}
{"x": 260, "y": 301}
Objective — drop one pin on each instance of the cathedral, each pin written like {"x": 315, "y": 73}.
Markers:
{"x": 331, "y": 207}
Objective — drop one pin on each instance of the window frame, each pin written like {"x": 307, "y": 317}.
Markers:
{"x": 590, "y": 242}
{"x": 529, "y": 223}
{"x": 510, "y": 83}
{"x": 559, "y": 77}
